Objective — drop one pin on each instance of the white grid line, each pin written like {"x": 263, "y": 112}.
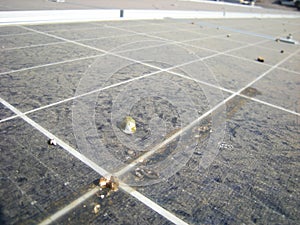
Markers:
{"x": 271, "y": 105}
{"x": 31, "y": 46}
{"x": 51, "y": 64}
{"x": 17, "y": 34}
{"x": 69, "y": 28}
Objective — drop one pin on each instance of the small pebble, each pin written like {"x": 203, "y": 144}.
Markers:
{"x": 198, "y": 153}
{"x": 260, "y": 59}
{"x": 281, "y": 51}
{"x": 96, "y": 208}
{"x": 52, "y": 142}
{"x": 141, "y": 160}
{"x": 228, "y": 35}
{"x": 102, "y": 182}
{"x": 33, "y": 202}
{"x": 130, "y": 152}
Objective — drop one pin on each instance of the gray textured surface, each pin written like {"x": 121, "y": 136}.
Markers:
{"x": 253, "y": 177}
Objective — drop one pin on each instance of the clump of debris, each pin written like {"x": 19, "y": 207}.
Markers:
{"x": 112, "y": 183}
{"x": 52, "y": 141}
{"x": 109, "y": 185}
{"x": 106, "y": 187}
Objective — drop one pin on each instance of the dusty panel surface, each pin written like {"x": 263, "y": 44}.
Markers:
{"x": 217, "y": 131}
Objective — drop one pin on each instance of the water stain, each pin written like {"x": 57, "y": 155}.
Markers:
{"x": 237, "y": 103}
{"x": 251, "y": 92}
